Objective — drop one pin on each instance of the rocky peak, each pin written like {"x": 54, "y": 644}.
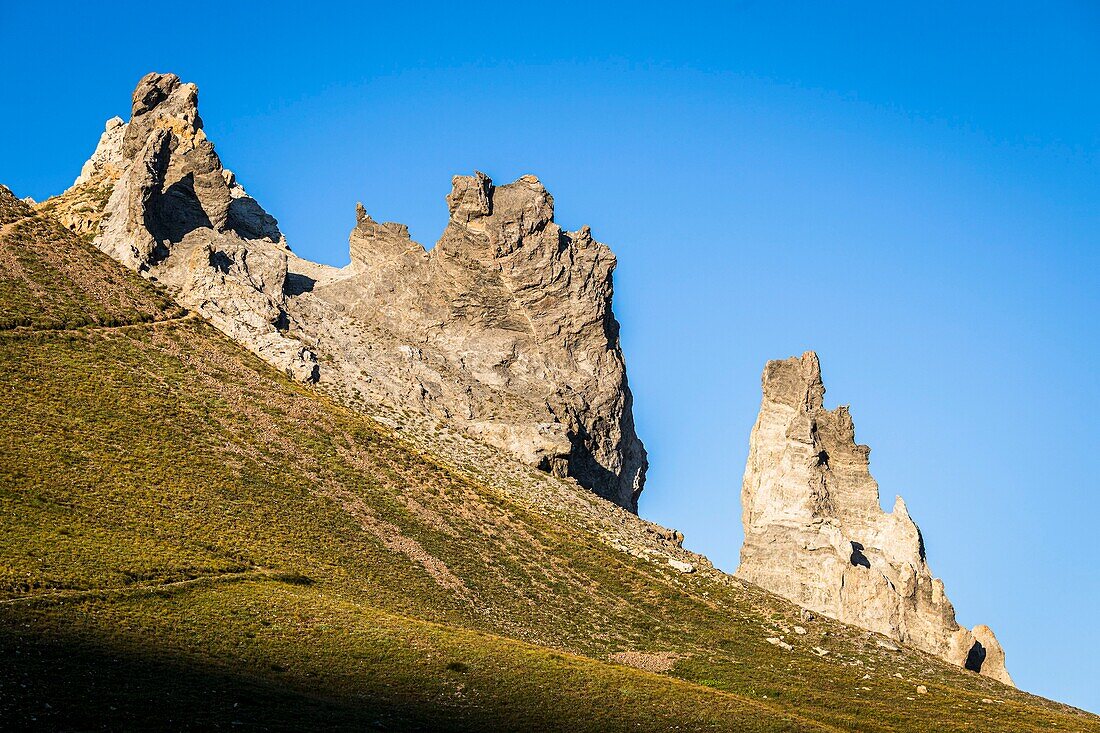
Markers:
{"x": 795, "y": 382}
{"x": 153, "y": 89}
{"x": 815, "y": 532}
{"x": 469, "y": 198}
{"x": 173, "y": 213}
{"x": 513, "y": 311}
{"x": 372, "y": 243}
{"x": 186, "y": 186}
{"x": 107, "y": 158}
{"x": 489, "y": 222}
{"x": 161, "y": 100}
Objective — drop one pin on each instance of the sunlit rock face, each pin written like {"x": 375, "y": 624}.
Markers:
{"x": 168, "y": 209}
{"x": 815, "y": 532}
{"x": 504, "y": 329}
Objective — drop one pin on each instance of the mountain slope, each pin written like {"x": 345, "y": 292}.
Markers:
{"x": 193, "y": 540}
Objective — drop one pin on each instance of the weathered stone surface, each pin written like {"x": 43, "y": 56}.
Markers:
{"x": 82, "y": 206}
{"x": 993, "y": 664}
{"x": 816, "y": 534}
{"x": 106, "y": 161}
{"x": 504, "y": 328}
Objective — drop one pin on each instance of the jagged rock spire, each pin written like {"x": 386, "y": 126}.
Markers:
{"x": 509, "y": 330}
{"x": 176, "y": 215}
{"x": 815, "y": 532}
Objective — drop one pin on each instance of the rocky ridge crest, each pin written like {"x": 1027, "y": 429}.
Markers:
{"x": 816, "y": 534}
{"x": 503, "y": 329}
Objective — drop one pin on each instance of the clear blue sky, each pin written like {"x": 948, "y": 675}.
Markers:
{"x": 912, "y": 192}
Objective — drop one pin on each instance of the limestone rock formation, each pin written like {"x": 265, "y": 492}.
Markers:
{"x": 174, "y": 214}
{"x": 81, "y": 207}
{"x": 816, "y": 534}
{"x": 504, "y": 328}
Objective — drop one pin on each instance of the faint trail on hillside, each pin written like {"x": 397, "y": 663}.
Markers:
{"x": 117, "y": 591}
{"x": 189, "y": 316}
{"x": 8, "y": 228}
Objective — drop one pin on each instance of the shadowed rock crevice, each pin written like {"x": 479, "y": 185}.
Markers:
{"x": 297, "y": 284}
{"x": 220, "y": 261}
{"x": 975, "y": 658}
{"x": 858, "y": 558}
{"x": 176, "y": 212}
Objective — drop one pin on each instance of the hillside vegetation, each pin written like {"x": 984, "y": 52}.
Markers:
{"x": 192, "y": 541}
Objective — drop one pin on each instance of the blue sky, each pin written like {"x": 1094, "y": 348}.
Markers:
{"x": 912, "y": 192}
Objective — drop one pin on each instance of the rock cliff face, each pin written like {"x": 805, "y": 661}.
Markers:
{"x": 504, "y": 328}
{"x": 816, "y": 534}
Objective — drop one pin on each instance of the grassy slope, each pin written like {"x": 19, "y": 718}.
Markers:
{"x": 191, "y": 540}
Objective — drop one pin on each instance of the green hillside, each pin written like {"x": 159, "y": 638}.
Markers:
{"x": 192, "y": 541}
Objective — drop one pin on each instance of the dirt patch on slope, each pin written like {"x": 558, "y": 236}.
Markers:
{"x": 657, "y": 662}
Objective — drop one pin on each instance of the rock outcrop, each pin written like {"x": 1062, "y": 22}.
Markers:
{"x": 816, "y": 534}
{"x": 503, "y": 329}
{"x": 81, "y": 207}
{"x": 106, "y": 161}
{"x": 174, "y": 214}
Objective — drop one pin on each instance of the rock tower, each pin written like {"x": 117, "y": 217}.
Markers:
{"x": 816, "y": 534}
